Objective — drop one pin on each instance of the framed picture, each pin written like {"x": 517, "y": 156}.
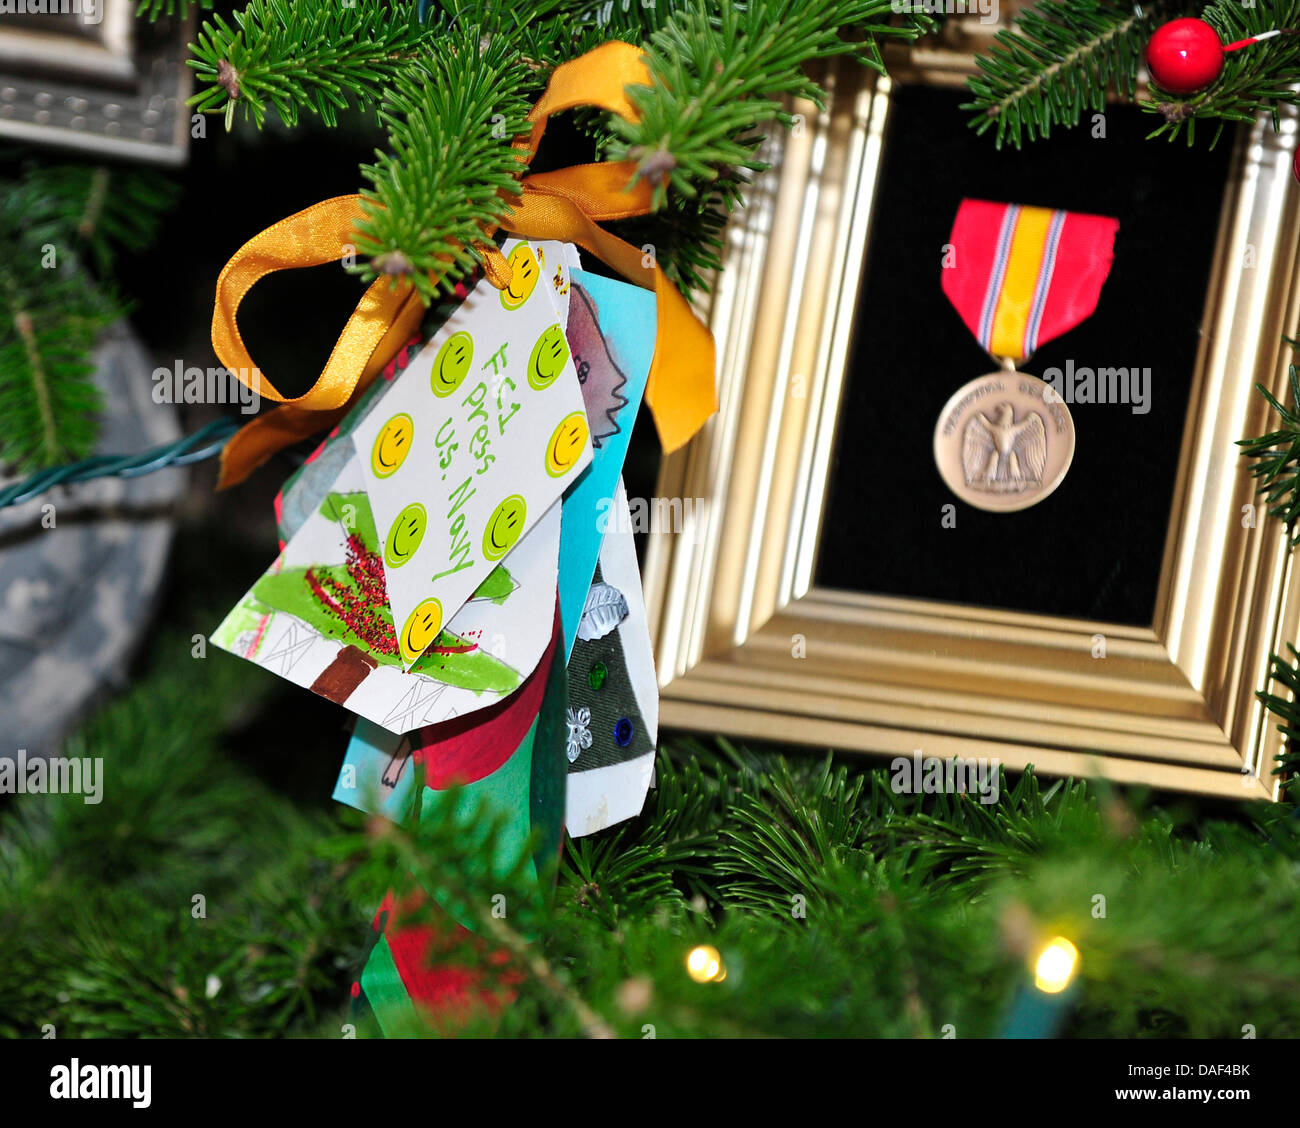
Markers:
{"x": 812, "y": 578}
{"x": 88, "y": 75}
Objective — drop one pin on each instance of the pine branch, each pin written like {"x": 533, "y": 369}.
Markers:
{"x": 956, "y": 838}
{"x": 462, "y": 87}
{"x": 686, "y": 234}
{"x": 296, "y": 55}
{"x": 1277, "y": 459}
{"x": 719, "y": 72}
{"x": 48, "y": 324}
{"x": 660, "y": 859}
{"x": 1058, "y": 61}
{"x": 90, "y": 209}
{"x": 1286, "y": 708}
{"x": 152, "y": 10}
{"x": 1277, "y": 469}
{"x": 52, "y": 219}
{"x": 436, "y": 190}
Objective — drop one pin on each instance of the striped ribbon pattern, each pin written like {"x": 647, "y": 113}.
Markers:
{"x": 1020, "y": 276}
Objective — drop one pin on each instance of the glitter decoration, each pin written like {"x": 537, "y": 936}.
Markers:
{"x": 361, "y": 603}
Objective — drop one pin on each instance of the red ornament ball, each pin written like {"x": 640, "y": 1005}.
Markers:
{"x": 1185, "y": 56}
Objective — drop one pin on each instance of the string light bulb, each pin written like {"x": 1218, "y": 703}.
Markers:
{"x": 704, "y": 964}
{"x": 1055, "y": 966}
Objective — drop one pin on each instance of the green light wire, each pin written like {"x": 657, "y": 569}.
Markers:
{"x": 204, "y": 443}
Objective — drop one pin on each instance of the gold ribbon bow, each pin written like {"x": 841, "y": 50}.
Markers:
{"x": 567, "y": 205}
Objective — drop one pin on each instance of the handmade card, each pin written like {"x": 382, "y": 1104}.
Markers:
{"x": 611, "y": 330}
{"x": 470, "y": 447}
{"x": 307, "y": 486}
{"x": 611, "y": 718}
{"x": 613, "y": 710}
{"x": 521, "y": 794}
{"x": 379, "y": 773}
{"x": 611, "y": 333}
{"x": 380, "y": 766}
{"x": 320, "y": 618}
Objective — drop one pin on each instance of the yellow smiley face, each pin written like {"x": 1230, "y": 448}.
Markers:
{"x": 451, "y": 365}
{"x": 392, "y": 445}
{"x": 405, "y": 535}
{"x": 550, "y": 355}
{"x": 524, "y": 273}
{"x": 422, "y": 627}
{"x": 566, "y": 445}
{"x": 504, "y": 527}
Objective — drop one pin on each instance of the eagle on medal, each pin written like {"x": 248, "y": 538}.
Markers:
{"x": 1002, "y": 455}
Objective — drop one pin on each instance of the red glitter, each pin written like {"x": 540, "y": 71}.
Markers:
{"x": 358, "y": 604}
{"x": 468, "y": 648}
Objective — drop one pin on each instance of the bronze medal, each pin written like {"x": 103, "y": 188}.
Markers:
{"x": 1004, "y": 441}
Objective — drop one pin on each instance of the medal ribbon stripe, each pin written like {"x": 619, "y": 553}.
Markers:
{"x": 1044, "y": 282}
{"x": 994, "y": 289}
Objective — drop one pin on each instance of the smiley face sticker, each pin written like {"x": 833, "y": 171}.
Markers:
{"x": 405, "y": 535}
{"x": 566, "y": 444}
{"x": 504, "y": 527}
{"x": 422, "y": 626}
{"x": 451, "y": 365}
{"x": 524, "y": 273}
{"x": 392, "y": 445}
{"x": 550, "y": 355}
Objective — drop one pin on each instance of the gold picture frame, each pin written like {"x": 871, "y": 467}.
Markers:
{"x": 748, "y": 645}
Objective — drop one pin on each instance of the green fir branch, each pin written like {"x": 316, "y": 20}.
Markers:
{"x": 92, "y": 210}
{"x": 550, "y": 32}
{"x": 61, "y": 227}
{"x": 1277, "y": 459}
{"x": 686, "y": 234}
{"x": 461, "y": 86}
{"x": 48, "y": 401}
{"x": 153, "y": 10}
{"x": 719, "y": 72}
{"x": 1058, "y": 62}
{"x": 1285, "y": 706}
{"x": 292, "y": 56}
{"x": 450, "y": 167}
{"x": 801, "y": 872}
{"x": 1277, "y": 470}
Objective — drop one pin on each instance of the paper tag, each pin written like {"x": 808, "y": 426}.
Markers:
{"x": 613, "y": 713}
{"x": 475, "y": 441}
{"x": 320, "y": 618}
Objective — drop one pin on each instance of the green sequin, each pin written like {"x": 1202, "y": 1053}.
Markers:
{"x": 597, "y": 674}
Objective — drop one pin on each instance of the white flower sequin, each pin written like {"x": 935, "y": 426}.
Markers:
{"x": 579, "y": 731}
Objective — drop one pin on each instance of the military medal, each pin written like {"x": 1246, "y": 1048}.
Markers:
{"x": 1018, "y": 276}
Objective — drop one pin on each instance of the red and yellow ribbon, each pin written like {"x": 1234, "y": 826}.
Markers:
{"x": 568, "y": 205}
{"x": 1021, "y": 276}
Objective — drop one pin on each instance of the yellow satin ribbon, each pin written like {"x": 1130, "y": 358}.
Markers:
{"x": 567, "y": 205}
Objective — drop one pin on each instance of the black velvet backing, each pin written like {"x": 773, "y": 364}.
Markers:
{"x": 1093, "y": 548}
